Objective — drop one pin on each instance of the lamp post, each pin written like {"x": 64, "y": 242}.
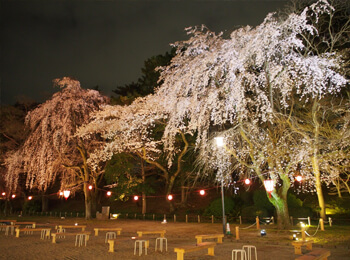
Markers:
{"x": 220, "y": 143}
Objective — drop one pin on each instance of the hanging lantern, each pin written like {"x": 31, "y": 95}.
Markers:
{"x": 30, "y": 198}
{"x": 13, "y": 196}
{"x": 299, "y": 178}
{"x": 3, "y": 194}
{"x": 66, "y": 193}
{"x": 61, "y": 193}
{"x": 170, "y": 197}
{"x": 247, "y": 181}
{"x": 269, "y": 186}
{"x": 109, "y": 193}
{"x": 90, "y": 187}
{"x": 202, "y": 192}
{"x": 136, "y": 197}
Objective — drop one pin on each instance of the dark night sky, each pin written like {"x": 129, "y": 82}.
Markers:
{"x": 101, "y": 42}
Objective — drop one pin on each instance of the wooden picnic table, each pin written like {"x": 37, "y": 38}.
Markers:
{"x": 27, "y": 223}
{"x": 107, "y": 229}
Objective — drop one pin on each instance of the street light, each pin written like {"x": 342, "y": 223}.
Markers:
{"x": 220, "y": 143}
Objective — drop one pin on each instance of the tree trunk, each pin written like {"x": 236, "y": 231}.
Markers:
{"x": 319, "y": 192}
{"x": 170, "y": 185}
{"x": 44, "y": 203}
{"x": 88, "y": 204}
{"x": 144, "y": 204}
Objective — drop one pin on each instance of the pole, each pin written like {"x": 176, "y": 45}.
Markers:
{"x": 223, "y": 206}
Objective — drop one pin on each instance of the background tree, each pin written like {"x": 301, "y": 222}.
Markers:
{"x": 51, "y": 151}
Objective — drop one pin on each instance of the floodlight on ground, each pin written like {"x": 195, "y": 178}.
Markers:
{"x": 219, "y": 141}
{"x": 269, "y": 186}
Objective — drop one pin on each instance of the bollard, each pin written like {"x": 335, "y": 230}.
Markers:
{"x": 322, "y": 224}
{"x": 153, "y": 216}
{"x": 174, "y": 218}
{"x": 240, "y": 220}
{"x": 212, "y": 219}
{"x": 199, "y": 219}
{"x": 257, "y": 222}
{"x": 186, "y": 218}
{"x": 143, "y": 216}
{"x": 309, "y": 221}
{"x": 330, "y": 221}
{"x": 237, "y": 232}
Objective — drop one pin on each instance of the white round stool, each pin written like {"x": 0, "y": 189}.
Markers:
{"x": 161, "y": 239}
{"x": 248, "y": 249}
{"x": 110, "y": 235}
{"x": 139, "y": 242}
{"x": 235, "y": 253}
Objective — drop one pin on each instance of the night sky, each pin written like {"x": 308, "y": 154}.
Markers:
{"x": 101, "y": 42}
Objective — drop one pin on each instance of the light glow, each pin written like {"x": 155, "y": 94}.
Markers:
{"x": 170, "y": 197}
{"x": 202, "y": 192}
{"x": 269, "y": 186}
{"x": 13, "y": 196}
{"x": 66, "y": 193}
{"x": 30, "y": 198}
{"x": 247, "y": 181}
{"x": 109, "y": 193}
{"x": 136, "y": 197}
{"x": 90, "y": 187}
{"x": 3, "y": 194}
{"x": 299, "y": 178}
{"x": 219, "y": 141}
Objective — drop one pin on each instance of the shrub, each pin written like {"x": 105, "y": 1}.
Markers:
{"x": 215, "y": 207}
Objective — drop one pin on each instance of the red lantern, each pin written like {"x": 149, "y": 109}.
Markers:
{"x": 13, "y": 196}
{"x": 3, "y": 194}
{"x": 170, "y": 197}
{"x": 109, "y": 193}
{"x": 299, "y": 178}
{"x": 66, "y": 193}
{"x": 202, "y": 192}
{"x": 30, "y": 198}
{"x": 247, "y": 181}
{"x": 269, "y": 186}
{"x": 90, "y": 187}
{"x": 136, "y": 197}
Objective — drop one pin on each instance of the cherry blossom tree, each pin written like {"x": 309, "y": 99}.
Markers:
{"x": 248, "y": 81}
{"x": 51, "y": 150}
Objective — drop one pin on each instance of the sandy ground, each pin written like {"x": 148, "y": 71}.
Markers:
{"x": 276, "y": 245}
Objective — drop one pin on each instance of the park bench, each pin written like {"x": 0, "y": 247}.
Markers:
{"x": 186, "y": 249}
{"x": 27, "y": 223}
{"x": 161, "y": 233}
{"x": 217, "y": 236}
{"x": 63, "y": 234}
{"x": 298, "y": 244}
{"x": 61, "y": 227}
{"x": 318, "y": 254}
{"x": 18, "y": 230}
{"x": 107, "y": 229}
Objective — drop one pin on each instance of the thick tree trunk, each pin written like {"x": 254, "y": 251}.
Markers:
{"x": 170, "y": 186}
{"x": 318, "y": 184}
{"x": 44, "y": 203}
{"x": 144, "y": 204}
{"x": 88, "y": 204}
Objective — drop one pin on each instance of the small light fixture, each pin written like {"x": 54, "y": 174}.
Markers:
{"x": 109, "y": 193}
{"x": 61, "y": 193}
{"x": 299, "y": 178}
{"x": 3, "y": 194}
{"x": 136, "y": 197}
{"x": 90, "y": 187}
{"x": 219, "y": 141}
{"x": 202, "y": 192}
{"x": 76, "y": 224}
{"x": 247, "y": 181}
{"x": 30, "y": 198}
{"x": 170, "y": 197}
{"x": 66, "y": 193}
{"x": 13, "y": 196}
{"x": 269, "y": 186}
{"x": 263, "y": 232}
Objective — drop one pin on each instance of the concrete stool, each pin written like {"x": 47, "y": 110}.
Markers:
{"x": 139, "y": 242}
{"x": 235, "y": 253}
{"x": 161, "y": 239}
{"x": 7, "y": 228}
{"x": 28, "y": 232}
{"x": 80, "y": 238}
{"x": 248, "y": 250}
{"x": 110, "y": 235}
{"x": 45, "y": 233}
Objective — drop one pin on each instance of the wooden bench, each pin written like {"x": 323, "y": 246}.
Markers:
{"x": 7, "y": 221}
{"x": 298, "y": 244}
{"x": 54, "y": 235}
{"x": 201, "y": 237}
{"x": 107, "y": 229}
{"x": 318, "y": 254}
{"x": 186, "y": 249}
{"x": 160, "y": 232}
{"x": 60, "y": 227}
{"x": 18, "y": 230}
{"x": 27, "y": 223}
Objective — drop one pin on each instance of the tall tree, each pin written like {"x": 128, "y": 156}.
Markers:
{"x": 51, "y": 150}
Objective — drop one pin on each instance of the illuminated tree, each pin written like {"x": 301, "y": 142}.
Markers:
{"x": 51, "y": 150}
{"x": 246, "y": 83}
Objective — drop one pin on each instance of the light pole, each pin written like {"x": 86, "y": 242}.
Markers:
{"x": 220, "y": 143}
